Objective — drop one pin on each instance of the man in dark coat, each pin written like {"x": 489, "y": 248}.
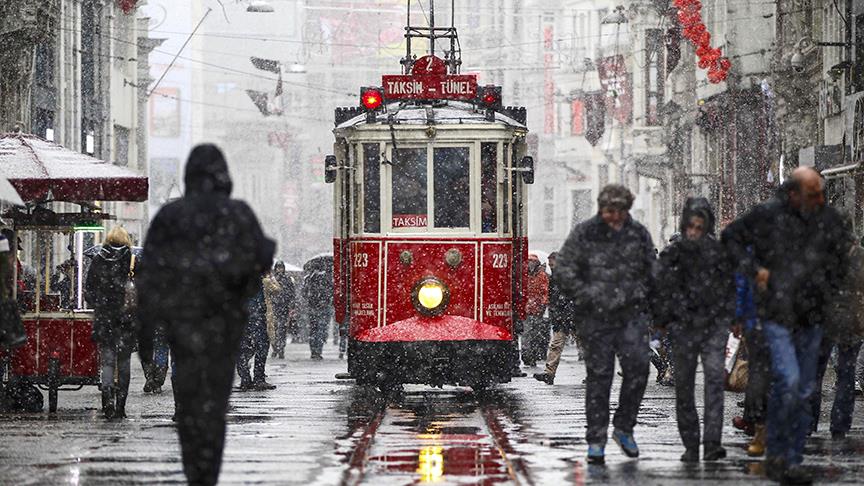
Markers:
{"x": 799, "y": 249}
{"x": 606, "y": 267}
{"x": 283, "y": 308}
{"x": 203, "y": 258}
{"x": 255, "y": 343}
{"x": 318, "y": 292}
{"x": 696, "y": 294}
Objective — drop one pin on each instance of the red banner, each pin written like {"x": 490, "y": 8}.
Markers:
{"x": 619, "y": 92}
{"x": 127, "y": 5}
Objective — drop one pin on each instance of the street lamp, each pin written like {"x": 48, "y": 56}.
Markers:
{"x": 260, "y": 6}
{"x": 615, "y": 17}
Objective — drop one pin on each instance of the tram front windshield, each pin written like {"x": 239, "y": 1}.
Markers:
{"x": 409, "y": 188}
{"x": 450, "y": 187}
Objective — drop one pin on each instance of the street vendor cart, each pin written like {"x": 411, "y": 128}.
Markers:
{"x": 60, "y": 221}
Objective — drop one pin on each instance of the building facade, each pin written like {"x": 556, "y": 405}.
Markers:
{"x": 70, "y": 73}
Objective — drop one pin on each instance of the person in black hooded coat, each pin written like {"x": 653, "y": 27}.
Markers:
{"x": 105, "y": 290}
{"x": 203, "y": 257}
{"x": 696, "y": 294}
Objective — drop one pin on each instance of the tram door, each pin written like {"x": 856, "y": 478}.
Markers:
{"x": 344, "y": 198}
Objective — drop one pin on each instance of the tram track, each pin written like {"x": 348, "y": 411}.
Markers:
{"x": 434, "y": 435}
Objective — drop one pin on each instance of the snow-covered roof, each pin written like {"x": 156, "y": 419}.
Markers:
{"x": 451, "y": 113}
{"x": 40, "y": 170}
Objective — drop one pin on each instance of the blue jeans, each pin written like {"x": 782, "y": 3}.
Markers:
{"x": 844, "y": 393}
{"x": 794, "y": 363}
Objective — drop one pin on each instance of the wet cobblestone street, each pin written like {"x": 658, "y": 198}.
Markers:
{"x": 314, "y": 429}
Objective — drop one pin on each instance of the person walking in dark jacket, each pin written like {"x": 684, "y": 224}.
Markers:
{"x": 203, "y": 259}
{"x": 758, "y": 367}
{"x": 255, "y": 343}
{"x": 318, "y": 292}
{"x": 283, "y": 303}
{"x": 846, "y": 339}
{"x": 799, "y": 248}
{"x": 696, "y": 288}
{"x": 562, "y": 313}
{"x": 606, "y": 267}
{"x": 105, "y": 291}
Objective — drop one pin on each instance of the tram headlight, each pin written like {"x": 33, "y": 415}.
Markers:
{"x": 430, "y": 296}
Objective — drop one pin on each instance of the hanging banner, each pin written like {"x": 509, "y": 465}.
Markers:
{"x": 127, "y": 6}
{"x": 617, "y": 83}
{"x": 595, "y": 116}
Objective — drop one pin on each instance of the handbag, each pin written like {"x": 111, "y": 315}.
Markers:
{"x": 736, "y": 377}
{"x": 130, "y": 300}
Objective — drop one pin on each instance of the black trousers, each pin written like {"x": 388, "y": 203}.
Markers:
{"x": 629, "y": 342}
{"x": 319, "y": 322}
{"x": 202, "y": 386}
{"x": 708, "y": 345}
{"x": 257, "y": 348}
{"x": 758, "y": 377}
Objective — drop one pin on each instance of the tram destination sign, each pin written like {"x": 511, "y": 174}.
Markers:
{"x": 430, "y": 87}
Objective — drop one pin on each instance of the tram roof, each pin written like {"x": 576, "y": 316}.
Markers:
{"x": 445, "y": 113}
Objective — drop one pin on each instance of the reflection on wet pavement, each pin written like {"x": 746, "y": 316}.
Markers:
{"x": 435, "y": 436}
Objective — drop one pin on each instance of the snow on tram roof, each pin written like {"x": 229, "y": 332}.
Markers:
{"x": 449, "y": 113}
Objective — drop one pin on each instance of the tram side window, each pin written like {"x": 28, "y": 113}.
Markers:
{"x": 371, "y": 188}
{"x": 452, "y": 187}
{"x": 505, "y": 213}
{"x": 489, "y": 187}
{"x": 409, "y": 188}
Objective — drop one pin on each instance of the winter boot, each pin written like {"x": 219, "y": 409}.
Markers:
{"x": 714, "y": 452}
{"x": 120, "y": 410}
{"x": 108, "y": 402}
{"x": 757, "y": 445}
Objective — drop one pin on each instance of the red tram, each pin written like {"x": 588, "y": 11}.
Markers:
{"x": 430, "y": 244}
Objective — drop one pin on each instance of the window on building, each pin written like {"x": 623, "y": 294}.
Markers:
{"x": 165, "y": 113}
{"x": 602, "y": 175}
{"x": 409, "y": 188}
{"x": 582, "y": 205}
{"x": 43, "y": 68}
{"x": 655, "y": 61}
{"x": 549, "y": 217}
{"x": 577, "y": 117}
{"x": 489, "y": 187}
{"x": 858, "y": 67}
{"x": 452, "y": 187}
{"x": 549, "y": 193}
{"x": 371, "y": 188}
{"x": 121, "y": 145}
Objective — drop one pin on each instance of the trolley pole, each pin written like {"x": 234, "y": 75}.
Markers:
{"x": 432, "y": 27}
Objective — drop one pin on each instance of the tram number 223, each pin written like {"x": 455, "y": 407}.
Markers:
{"x": 499, "y": 260}
{"x": 361, "y": 260}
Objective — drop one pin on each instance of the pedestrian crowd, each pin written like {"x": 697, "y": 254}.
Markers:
{"x": 785, "y": 278}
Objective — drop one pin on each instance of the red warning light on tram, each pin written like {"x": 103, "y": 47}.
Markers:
{"x": 371, "y": 98}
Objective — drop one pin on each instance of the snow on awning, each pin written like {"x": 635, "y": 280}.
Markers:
{"x": 41, "y": 170}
